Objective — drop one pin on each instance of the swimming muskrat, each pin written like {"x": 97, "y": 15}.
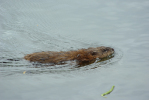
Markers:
{"x": 80, "y": 56}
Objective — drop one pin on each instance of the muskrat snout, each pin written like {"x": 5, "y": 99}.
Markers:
{"x": 112, "y": 49}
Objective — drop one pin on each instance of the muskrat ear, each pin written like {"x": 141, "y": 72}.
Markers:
{"x": 94, "y": 53}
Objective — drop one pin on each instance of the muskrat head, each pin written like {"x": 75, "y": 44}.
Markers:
{"x": 102, "y": 52}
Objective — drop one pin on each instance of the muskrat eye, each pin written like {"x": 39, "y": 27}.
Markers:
{"x": 104, "y": 50}
{"x": 94, "y": 53}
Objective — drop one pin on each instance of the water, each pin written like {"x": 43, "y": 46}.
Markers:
{"x": 29, "y": 26}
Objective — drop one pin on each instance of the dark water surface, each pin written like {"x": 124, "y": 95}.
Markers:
{"x": 28, "y": 26}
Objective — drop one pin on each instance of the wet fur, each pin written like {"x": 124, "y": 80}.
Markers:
{"x": 81, "y": 55}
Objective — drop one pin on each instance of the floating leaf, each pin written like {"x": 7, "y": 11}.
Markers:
{"x": 24, "y": 72}
{"x": 108, "y": 92}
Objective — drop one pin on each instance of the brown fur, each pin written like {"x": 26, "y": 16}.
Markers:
{"x": 81, "y": 55}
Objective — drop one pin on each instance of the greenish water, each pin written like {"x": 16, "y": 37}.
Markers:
{"x": 29, "y": 26}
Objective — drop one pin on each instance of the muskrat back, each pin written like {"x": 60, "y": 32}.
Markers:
{"x": 81, "y": 55}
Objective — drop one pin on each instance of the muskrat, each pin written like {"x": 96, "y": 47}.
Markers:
{"x": 80, "y": 56}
